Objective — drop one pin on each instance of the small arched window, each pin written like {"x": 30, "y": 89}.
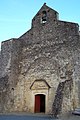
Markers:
{"x": 44, "y": 17}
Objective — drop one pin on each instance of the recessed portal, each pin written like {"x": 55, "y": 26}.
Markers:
{"x": 39, "y": 103}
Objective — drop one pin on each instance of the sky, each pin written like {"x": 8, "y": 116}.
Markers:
{"x": 16, "y": 15}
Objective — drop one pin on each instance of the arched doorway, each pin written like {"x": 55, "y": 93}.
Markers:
{"x": 39, "y": 103}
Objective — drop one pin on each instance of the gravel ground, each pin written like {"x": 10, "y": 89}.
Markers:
{"x": 36, "y": 117}
{"x": 70, "y": 117}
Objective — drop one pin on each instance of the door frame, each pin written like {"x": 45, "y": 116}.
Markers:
{"x": 44, "y": 92}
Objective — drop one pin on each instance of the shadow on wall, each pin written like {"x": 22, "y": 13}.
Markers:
{"x": 57, "y": 104}
{"x": 3, "y": 92}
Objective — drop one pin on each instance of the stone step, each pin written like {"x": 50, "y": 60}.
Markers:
{"x": 76, "y": 111}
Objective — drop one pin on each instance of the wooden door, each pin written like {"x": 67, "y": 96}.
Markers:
{"x": 37, "y": 103}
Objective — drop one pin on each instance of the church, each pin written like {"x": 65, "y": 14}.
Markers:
{"x": 40, "y": 70}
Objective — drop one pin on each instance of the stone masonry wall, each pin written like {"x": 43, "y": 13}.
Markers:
{"x": 48, "y": 50}
{"x": 0, "y": 63}
{"x": 14, "y": 72}
{"x": 10, "y": 55}
{"x": 4, "y": 72}
{"x": 48, "y": 53}
{"x": 6, "y": 56}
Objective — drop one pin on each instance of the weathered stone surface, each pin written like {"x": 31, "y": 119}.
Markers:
{"x": 45, "y": 60}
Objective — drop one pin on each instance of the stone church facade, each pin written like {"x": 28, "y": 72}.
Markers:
{"x": 40, "y": 71}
